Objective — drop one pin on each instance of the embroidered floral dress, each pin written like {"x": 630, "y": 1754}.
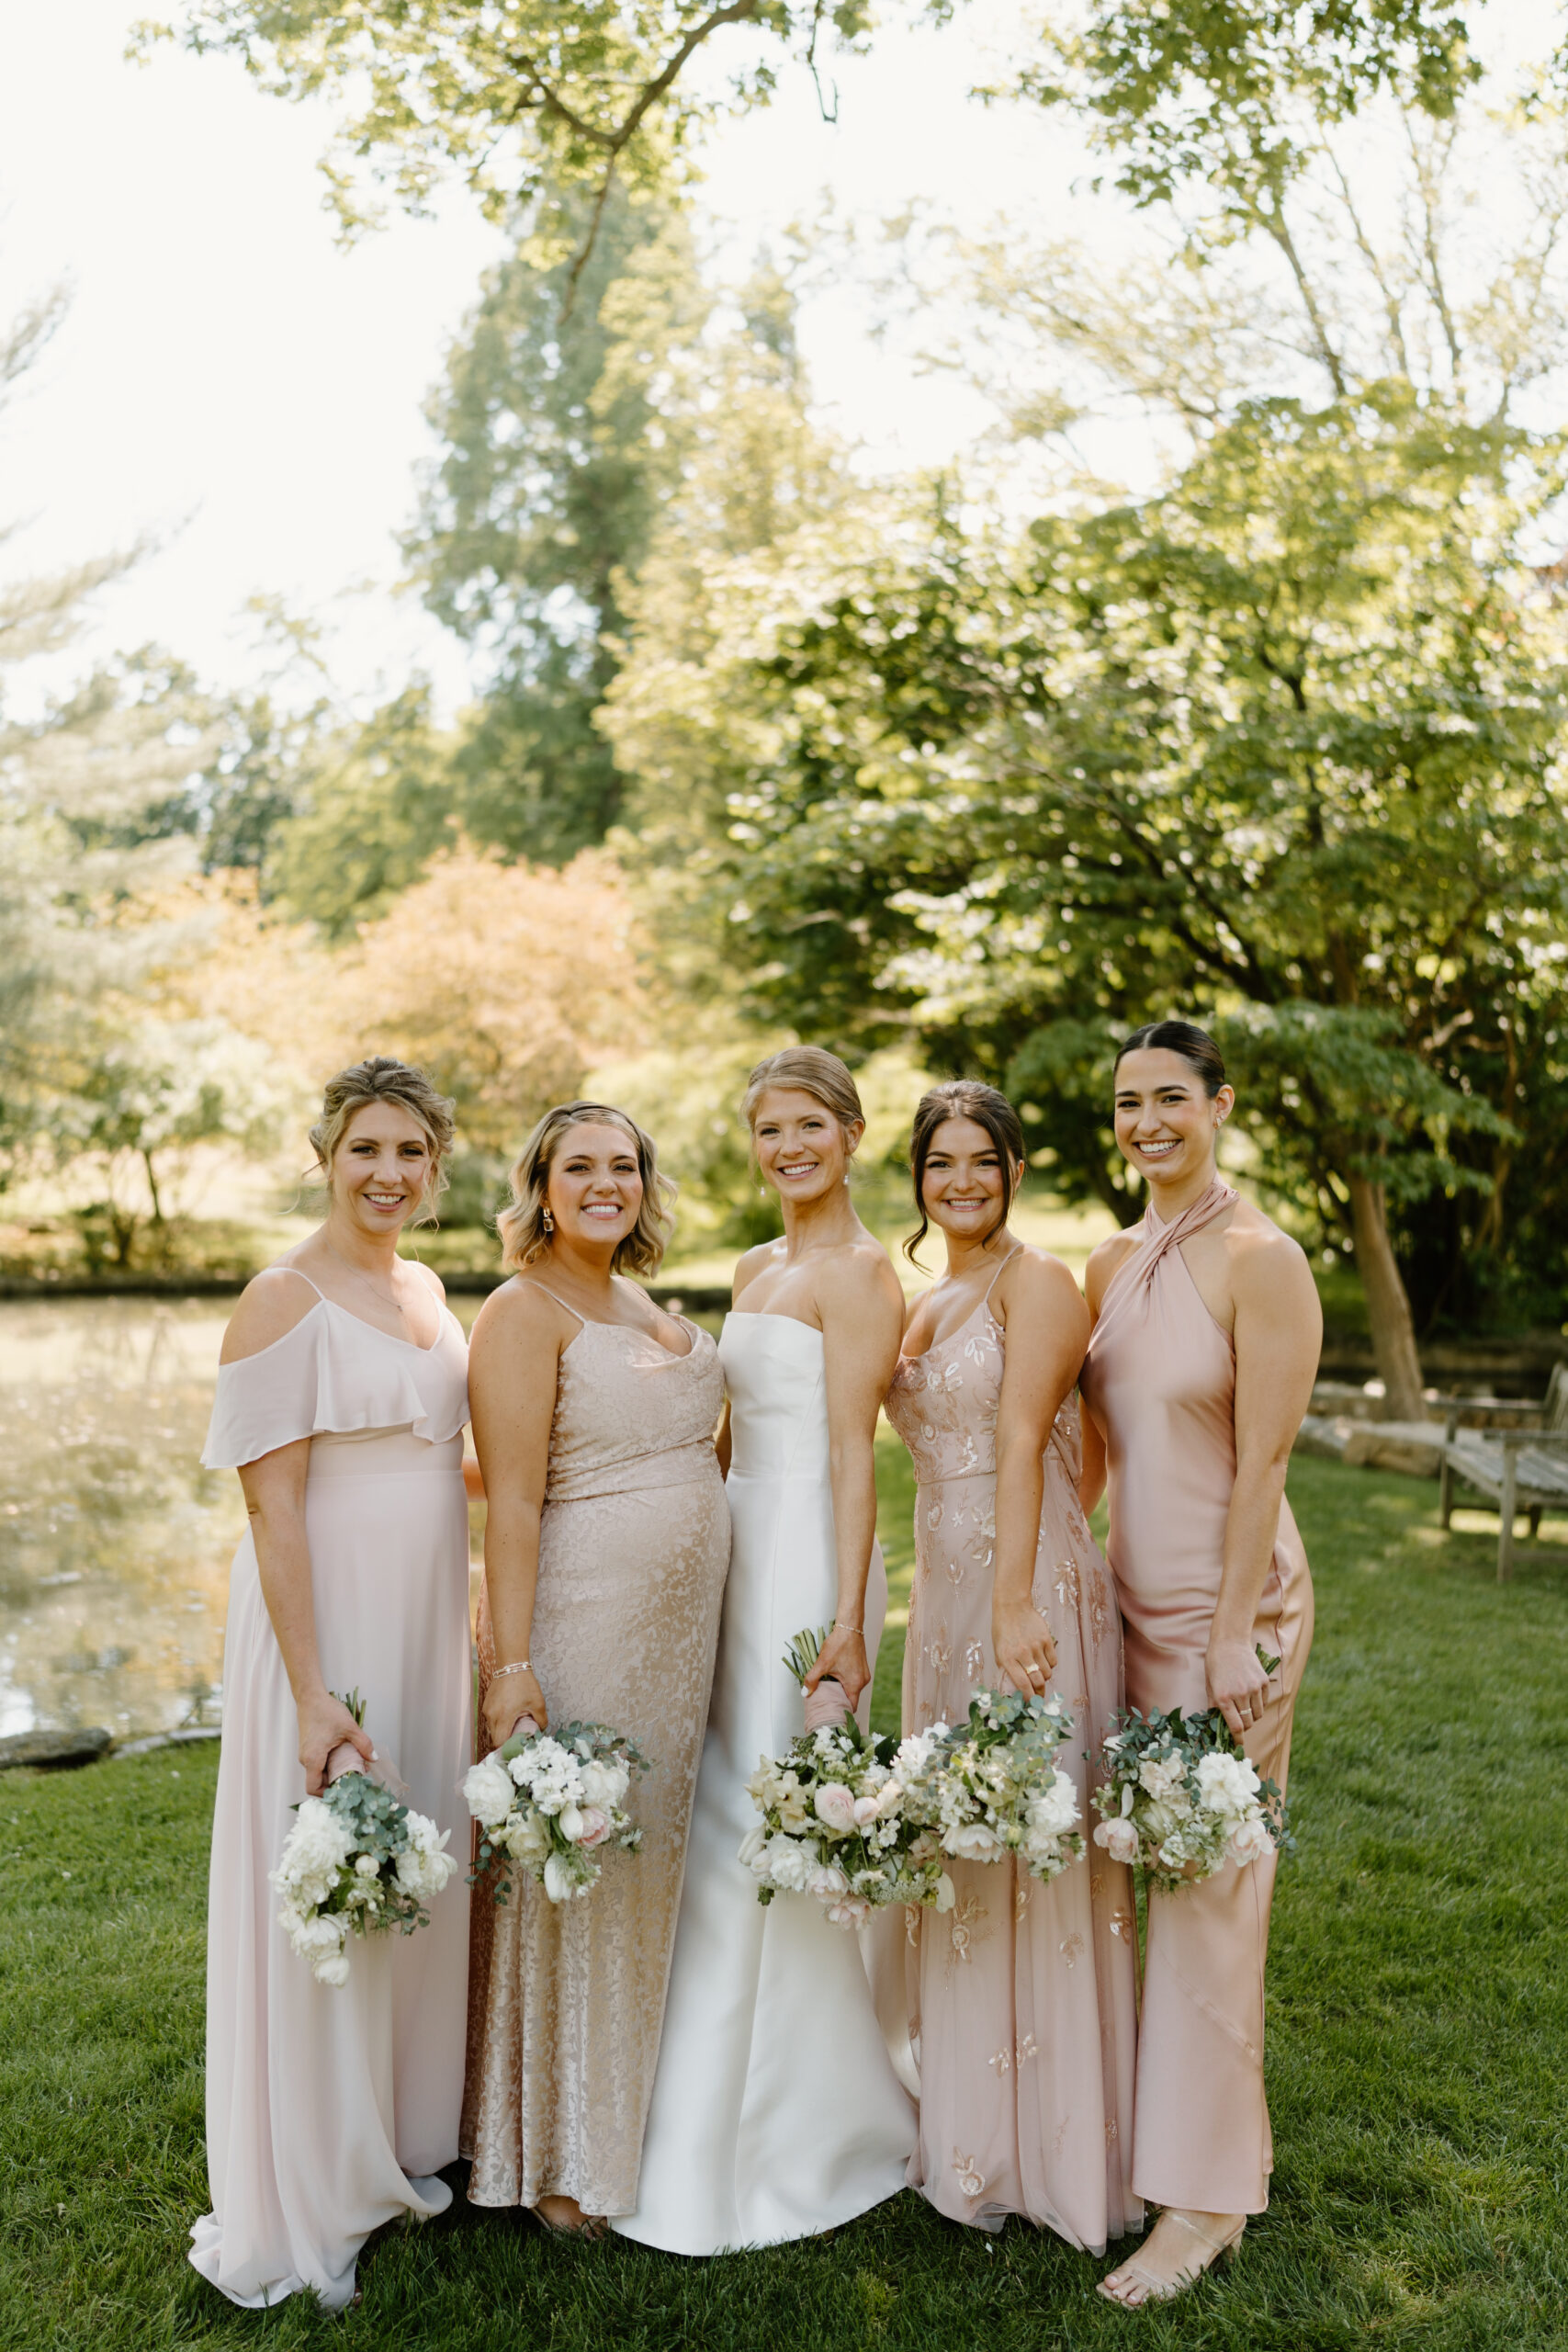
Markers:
{"x": 1022, "y": 1999}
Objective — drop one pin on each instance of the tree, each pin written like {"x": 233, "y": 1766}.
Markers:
{"x": 562, "y": 436}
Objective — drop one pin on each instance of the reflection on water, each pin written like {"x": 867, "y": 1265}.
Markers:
{"x": 114, "y": 1542}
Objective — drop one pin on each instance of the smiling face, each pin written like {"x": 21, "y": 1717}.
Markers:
{"x": 801, "y": 1148}
{"x": 381, "y": 1167}
{"x": 594, "y": 1188}
{"x": 1165, "y": 1123}
{"x": 963, "y": 1189}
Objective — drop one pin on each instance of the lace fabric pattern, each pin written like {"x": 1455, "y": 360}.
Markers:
{"x": 1030, "y": 1973}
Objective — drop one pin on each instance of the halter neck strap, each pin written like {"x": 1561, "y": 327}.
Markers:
{"x": 1162, "y": 1239}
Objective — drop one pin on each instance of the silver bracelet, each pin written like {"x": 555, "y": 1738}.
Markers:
{"x": 518, "y": 1666}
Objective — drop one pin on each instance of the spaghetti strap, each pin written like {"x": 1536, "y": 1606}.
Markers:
{"x": 561, "y": 1302}
{"x": 303, "y": 1277}
{"x": 1001, "y": 1269}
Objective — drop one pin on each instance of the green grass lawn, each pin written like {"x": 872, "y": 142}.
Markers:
{"x": 1416, "y": 2048}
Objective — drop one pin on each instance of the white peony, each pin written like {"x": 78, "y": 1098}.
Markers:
{"x": 1228, "y": 1786}
{"x": 1055, "y": 1810}
{"x": 850, "y": 1911}
{"x": 525, "y": 1837}
{"x": 1162, "y": 1776}
{"x": 333, "y": 1971}
{"x": 1249, "y": 1839}
{"x": 787, "y": 1864}
{"x": 488, "y": 1791}
{"x": 605, "y": 1783}
{"x": 972, "y": 1841}
{"x": 826, "y": 1880}
{"x": 366, "y": 1865}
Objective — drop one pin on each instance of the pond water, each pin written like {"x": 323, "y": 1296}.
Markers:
{"x": 114, "y": 1542}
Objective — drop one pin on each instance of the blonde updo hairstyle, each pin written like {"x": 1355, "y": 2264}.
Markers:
{"x": 521, "y": 1227}
{"x": 382, "y": 1080}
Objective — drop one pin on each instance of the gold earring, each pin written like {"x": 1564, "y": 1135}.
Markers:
{"x": 549, "y": 1220}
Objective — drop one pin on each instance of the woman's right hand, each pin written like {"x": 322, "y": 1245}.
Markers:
{"x": 508, "y": 1698}
{"x": 325, "y": 1724}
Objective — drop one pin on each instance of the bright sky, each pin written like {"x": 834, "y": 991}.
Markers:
{"x": 232, "y": 383}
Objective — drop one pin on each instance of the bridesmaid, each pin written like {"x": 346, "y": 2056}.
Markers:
{"x": 341, "y": 1400}
{"x": 606, "y": 1547}
{"x": 1204, "y": 1350}
{"x": 1022, "y": 2002}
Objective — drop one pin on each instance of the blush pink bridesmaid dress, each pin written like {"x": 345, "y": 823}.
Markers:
{"x": 330, "y": 2111}
{"x": 1160, "y": 1380}
{"x": 1022, "y": 2000}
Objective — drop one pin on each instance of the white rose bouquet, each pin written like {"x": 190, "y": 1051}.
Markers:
{"x": 554, "y": 1804}
{"x": 833, "y": 1820}
{"x": 356, "y": 1862}
{"x": 1183, "y": 1799}
{"x": 991, "y": 1787}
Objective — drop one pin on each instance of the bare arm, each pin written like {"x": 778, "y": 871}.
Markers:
{"x": 1047, "y": 1331}
{"x": 514, "y": 1366}
{"x": 274, "y": 1488}
{"x": 862, "y": 1320}
{"x": 722, "y": 1442}
{"x": 1103, "y": 1262}
{"x": 1278, "y": 1333}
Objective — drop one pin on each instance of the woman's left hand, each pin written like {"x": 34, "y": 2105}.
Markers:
{"x": 1238, "y": 1684}
{"x": 843, "y": 1656}
{"x": 1024, "y": 1648}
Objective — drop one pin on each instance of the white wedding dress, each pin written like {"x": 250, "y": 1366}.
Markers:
{"x": 776, "y": 2112}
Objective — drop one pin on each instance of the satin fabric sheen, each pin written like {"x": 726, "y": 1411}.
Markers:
{"x": 1160, "y": 1380}
{"x": 776, "y": 2112}
{"x": 1022, "y": 2001}
{"x": 330, "y": 2111}
{"x": 566, "y": 2000}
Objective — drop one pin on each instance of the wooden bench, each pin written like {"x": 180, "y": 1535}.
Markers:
{"x": 1517, "y": 1470}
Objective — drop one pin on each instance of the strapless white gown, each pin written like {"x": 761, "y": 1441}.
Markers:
{"x": 776, "y": 2112}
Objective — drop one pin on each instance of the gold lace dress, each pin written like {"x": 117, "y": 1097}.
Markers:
{"x": 566, "y": 2000}
{"x": 1022, "y": 2000}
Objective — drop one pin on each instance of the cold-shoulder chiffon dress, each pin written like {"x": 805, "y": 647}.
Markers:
{"x": 1160, "y": 1380}
{"x": 330, "y": 2111}
{"x": 1022, "y": 2000}
{"x": 776, "y": 2112}
{"x": 566, "y": 2000}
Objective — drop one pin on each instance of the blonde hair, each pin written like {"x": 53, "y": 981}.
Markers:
{"x": 810, "y": 1070}
{"x": 382, "y": 1080}
{"x": 523, "y": 1237}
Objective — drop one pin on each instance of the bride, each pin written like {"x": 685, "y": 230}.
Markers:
{"x": 776, "y": 2112}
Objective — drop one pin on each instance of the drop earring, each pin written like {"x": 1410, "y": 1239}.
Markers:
{"x": 549, "y": 1223}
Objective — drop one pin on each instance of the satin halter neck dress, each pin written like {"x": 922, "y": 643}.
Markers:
{"x": 1022, "y": 2002}
{"x": 566, "y": 2000}
{"x": 776, "y": 2112}
{"x": 329, "y": 2110}
{"x": 1160, "y": 1380}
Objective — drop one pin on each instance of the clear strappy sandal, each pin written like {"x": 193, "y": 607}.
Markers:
{"x": 1165, "y": 2290}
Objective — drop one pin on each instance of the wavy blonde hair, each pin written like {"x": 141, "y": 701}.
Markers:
{"x": 521, "y": 1227}
{"x": 379, "y": 1078}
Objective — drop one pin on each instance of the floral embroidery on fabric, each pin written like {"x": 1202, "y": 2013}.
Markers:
{"x": 1099, "y": 1607}
{"x": 964, "y": 1916}
{"x": 1002, "y": 2061}
{"x": 1068, "y": 1584}
{"x": 1020, "y": 1896}
{"x": 1027, "y": 2049}
{"x": 974, "y": 1659}
{"x": 970, "y": 2181}
{"x": 1070, "y": 1947}
{"x": 1120, "y": 1923}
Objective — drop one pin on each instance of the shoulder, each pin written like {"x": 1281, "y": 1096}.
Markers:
{"x": 857, "y": 1276}
{"x": 1266, "y": 1265}
{"x": 428, "y": 1276}
{"x": 1104, "y": 1261}
{"x": 749, "y": 1265}
{"x": 271, "y": 1304}
{"x": 522, "y": 1313}
{"x": 1034, "y": 1282}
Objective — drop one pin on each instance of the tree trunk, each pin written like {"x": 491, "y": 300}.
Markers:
{"x": 1387, "y": 1306}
